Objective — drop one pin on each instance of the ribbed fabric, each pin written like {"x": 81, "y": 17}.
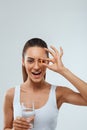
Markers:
{"x": 46, "y": 116}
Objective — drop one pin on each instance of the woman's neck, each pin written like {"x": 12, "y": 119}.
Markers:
{"x": 35, "y": 85}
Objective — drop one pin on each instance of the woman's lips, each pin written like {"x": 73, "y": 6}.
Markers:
{"x": 36, "y": 74}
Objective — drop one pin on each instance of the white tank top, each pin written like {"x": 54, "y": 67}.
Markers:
{"x": 46, "y": 116}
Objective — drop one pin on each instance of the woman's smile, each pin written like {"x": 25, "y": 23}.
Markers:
{"x": 37, "y": 74}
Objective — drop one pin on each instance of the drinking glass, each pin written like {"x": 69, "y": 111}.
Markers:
{"x": 28, "y": 111}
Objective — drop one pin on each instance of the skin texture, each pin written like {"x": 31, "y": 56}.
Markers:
{"x": 37, "y": 89}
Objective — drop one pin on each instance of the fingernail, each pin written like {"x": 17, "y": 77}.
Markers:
{"x": 28, "y": 120}
{"x": 31, "y": 125}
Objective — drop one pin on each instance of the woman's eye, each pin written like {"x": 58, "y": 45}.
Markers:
{"x": 30, "y": 60}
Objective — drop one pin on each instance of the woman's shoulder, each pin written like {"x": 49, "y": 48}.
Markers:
{"x": 9, "y": 96}
{"x": 10, "y": 92}
{"x": 59, "y": 90}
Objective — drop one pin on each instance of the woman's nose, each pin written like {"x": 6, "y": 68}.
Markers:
{"x": 36, "y": 65}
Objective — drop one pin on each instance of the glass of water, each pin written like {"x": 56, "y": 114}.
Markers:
{"x": 28, "y": 111}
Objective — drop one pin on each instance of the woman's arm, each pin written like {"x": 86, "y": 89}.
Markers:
{"x": 9, "y": 123}
{"x": 8, "y": 110}
{"x": 57, "y": 66}
{"x": 77, "y": 82}
{"x": 67, "y": 95}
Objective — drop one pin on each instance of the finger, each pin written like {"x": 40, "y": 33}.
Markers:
{"x": 21, "y": 126}
{"x": 21, "y": 119}
{"x": 50, "y": 51}
{"x": 43, "y": 60}
{"x": 55, "y": 50}
{"x": 61, "y": 52}
{"x": 30, "y": 119}
{"x": 16, "y": 128}
{"x": 21, "y": 122}
{"x": 48, "y": 61}
{"x": 48, "y": 66}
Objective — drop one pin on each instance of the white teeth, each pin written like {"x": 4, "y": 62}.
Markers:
{"x": 36, "y": 73}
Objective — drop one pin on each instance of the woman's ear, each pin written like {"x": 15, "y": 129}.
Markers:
{"x": 23, "y": 61}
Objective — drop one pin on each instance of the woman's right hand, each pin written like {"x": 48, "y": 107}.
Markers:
{"x": 21, "y": 123}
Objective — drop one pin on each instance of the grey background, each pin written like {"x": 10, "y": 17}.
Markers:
{"x": 59, "y": 23}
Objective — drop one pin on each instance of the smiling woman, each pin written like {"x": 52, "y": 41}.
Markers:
{"x": 35, "y": 61}
{"x": 32, "y": 62}
{"x": 38, "y": 43}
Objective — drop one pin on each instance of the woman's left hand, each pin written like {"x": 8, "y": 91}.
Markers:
{"x": 55, "y": 63}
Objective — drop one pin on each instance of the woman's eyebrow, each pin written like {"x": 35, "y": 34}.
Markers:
{"x": 30, "y": 58}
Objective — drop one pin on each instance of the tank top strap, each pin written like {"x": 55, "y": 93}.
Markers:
{"x": 17, "y": 94}
{"x": 53, "y": 87}
{"x": 16, "y": 102}
{"x": 52, "y": 96}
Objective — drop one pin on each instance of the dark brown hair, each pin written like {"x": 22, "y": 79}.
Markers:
{"x": 31, "y": 43}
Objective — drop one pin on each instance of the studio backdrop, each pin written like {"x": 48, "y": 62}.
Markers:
{"x": 59, "y": 23}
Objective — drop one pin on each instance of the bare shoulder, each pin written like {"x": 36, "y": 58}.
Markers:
{"x": 66, "y": 94}
{"x": 8, "y": 108}
{"x": 62, "y": 95}
{"x": 10, "y": 91}
{"x": 62, "y": 90}
{"x": 9, "y": 94}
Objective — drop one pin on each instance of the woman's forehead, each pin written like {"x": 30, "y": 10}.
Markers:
{"x": 36, "y": 52}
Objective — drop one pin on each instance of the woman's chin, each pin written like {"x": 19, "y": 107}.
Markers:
{"x": 36, "y": 79}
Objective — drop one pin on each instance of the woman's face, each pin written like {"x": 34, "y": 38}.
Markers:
{"x": 33, "y": 63}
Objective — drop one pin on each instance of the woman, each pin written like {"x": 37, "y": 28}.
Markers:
{"x": 35, "y": 61}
